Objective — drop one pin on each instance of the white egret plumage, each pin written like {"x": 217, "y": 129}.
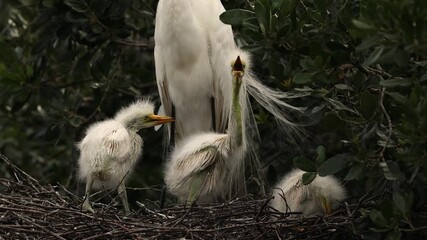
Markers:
{"x": 188, "y": 38}
{"x": 111, "y": 148}
{"x": 192, "y": 47}
{"x": 202, "y": 165}
{"x": 320, "y": 196}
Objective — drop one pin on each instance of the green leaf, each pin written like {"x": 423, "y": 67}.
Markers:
{"x": 344, "y": 87}
{"x": 308, "y": 177}
{"x": 304, "y": 164}
{"x": 396, "y": 82}
{"x": 397, "y": 97}
{"x": 378, "y": 218}
{"x": 321, "y": 152}
{"x": 333, "y": 164}
{"x": 423, "y": 77}
{"x": 368, "y": 43}
{"x": 75, "y": 121}
{"x": 276, "y": 4}
{"x": 301, "y": 78}
{"x": 340, "y": 106}
{"x": 78, "y": 5}
{"x": 236, "y": 16}
{"x": 375, "y": 55}
{"x": 390, "y": 169}
{"x": 400, "y": 202}
{"x": 394, "y": 235}
{"x": 48, "y": 3}
{"x": 263, "y": 15}
{"x": 368, "y": 104}
{"x": 361, "y": 25}
{"x": 7, "y": 53}
{"x": 355, "y": 172}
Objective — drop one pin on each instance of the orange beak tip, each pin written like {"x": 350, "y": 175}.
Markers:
{"x": 161, "y": 119}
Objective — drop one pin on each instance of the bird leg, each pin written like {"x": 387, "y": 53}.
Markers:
{"x": 86, "y": 204}
{"x": 172, "y": 133}
{"x": 170, "y": 148}
{"x": 196, "y": 186}
{"x": 121, "y": 189}
{"x": 213, "y": 114}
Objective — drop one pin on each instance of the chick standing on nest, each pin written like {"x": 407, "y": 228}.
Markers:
{"x": 111, "y": 148}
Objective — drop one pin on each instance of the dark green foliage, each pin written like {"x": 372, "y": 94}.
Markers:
{"x": 364, "y": 65}
{"x": 66, "y": 64}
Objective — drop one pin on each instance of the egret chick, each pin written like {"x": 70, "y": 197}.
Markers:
{"x": 203, "y": 165}
{"x": 320, "y": 196}
{"x": 110, "y": 149}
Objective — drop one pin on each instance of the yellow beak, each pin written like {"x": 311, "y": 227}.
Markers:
{"x": 327, "y": 208}
{"x": 157, "y": 119}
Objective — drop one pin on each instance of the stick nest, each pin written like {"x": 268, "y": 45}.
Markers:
{"x": 29, "y": 210}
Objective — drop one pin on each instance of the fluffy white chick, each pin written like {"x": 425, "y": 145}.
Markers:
{"x": 320, "y": 196}
{"x": 110, "y": 149}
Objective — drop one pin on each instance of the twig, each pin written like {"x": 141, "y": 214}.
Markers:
{"x": 390, "y": 127}
{"x": 41, "y": 227}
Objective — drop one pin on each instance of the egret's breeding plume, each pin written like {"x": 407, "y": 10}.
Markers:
{"x": 111, "y": 148}
{"x": 201, "y": 166}
{"x": 320, "y": 196}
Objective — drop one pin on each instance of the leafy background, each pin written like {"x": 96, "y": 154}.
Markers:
{"x": 362, "y": 63}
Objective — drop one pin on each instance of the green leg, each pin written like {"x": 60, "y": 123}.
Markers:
{"x": 196, "y": 187}
{"x": 123, "y": 196}
{"x": 86, "y": 204}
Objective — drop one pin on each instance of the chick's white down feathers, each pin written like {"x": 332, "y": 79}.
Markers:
{"x": 111, "y": 148}
{"x": 291, "y": 195}
{"x": 194, "y": 155}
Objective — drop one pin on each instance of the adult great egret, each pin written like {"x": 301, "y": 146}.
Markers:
{"x": 202, "y": 166}
{"x": 110, "y": 149}
{"x": 320, "y": 196}
{"x": 186, "y": 74}
{"x": 191, "y": 48}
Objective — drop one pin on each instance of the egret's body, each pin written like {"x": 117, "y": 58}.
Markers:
{"x": 202, "y": 166}
{"x": 192, "y": 55}
{"x": 111, "y": 148}
{"x": 192, "y": 45}
{"x": 320, "y": 196}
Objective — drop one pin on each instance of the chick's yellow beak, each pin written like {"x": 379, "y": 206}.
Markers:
{"x": 157, "y": 119}
{"x": 327, "y": 208}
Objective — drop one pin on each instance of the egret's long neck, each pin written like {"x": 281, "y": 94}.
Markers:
{"x": 235, "y": 124}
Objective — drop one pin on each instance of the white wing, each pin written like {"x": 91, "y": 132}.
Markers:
{"x": 107, "y": 140}
{"x": 201, "y": 155}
